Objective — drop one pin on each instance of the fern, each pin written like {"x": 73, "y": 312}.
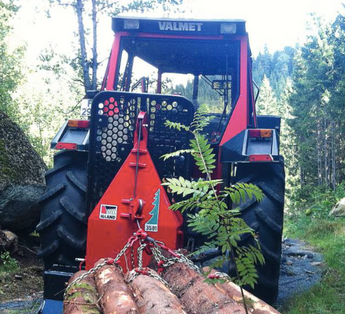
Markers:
{"x": 214, "y": 219}
{"x": 176, "y": 153}
{"x": 203, "y": 154}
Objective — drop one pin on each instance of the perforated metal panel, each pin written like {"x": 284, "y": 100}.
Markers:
{"x": 113, "y": 118}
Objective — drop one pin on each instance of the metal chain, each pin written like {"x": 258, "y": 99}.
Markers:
{"x": 132, "y": 257}
{"x": 171, "y": 261}
{"x": 221, "y": 275}
{"x": 124, "y": 249}
{"x": 98, "y": 267}
{"x": 89, "y": 272}
{"x": 156, "y": 250}
{"x": 140, "y": 251}
{"x": 134, "y": 273}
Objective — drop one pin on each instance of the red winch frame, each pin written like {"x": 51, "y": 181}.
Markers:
{"x": 135, "y": 200}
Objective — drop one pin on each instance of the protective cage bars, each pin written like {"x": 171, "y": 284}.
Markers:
{"x": 113, "y": 118}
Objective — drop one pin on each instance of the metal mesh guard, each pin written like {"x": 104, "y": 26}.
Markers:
{"x": 113, "y": 118}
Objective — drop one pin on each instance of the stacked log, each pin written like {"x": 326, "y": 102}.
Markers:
{"x": 153, "y": 297}
{"x": 254, "y": 304}
{"x": 198, "y": 296}
{"x": 116, "y": 296}
{"x": 184, "y": 291}
{"x": 81, "y": 297}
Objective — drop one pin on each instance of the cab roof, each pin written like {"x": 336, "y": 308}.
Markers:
{"x": 179, "y": 26}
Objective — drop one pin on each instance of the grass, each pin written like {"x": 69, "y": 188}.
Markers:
{"x": 327, "y": 236}
{"x": 8, "y": 266}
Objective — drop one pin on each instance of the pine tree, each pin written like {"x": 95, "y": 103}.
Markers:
{"x": 267, "y": 101}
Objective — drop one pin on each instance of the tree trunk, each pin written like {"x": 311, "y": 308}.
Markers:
{"x": 153, "y": 297}
{"x": 116, "y": 296}
{"x": 319, "y": 154}
{"x": 84, "y": 63}
{"x": 334, "y": 180}
{"x": 196, "y": 295}
{"x": 255, "y": 305}
{"x": 94, "y": 47}
{"x": 81, "y": 297}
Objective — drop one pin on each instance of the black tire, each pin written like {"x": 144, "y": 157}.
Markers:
{"x": 266, "y": 218}
{"x": 63, "y": 222}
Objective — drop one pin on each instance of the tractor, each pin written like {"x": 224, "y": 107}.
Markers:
{"x": 106, "y": 181}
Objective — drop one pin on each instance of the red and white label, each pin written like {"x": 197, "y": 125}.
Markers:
{"x": 108, "y": 212}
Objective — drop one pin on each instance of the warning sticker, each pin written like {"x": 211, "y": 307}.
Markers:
{"x": 108, "y": 212}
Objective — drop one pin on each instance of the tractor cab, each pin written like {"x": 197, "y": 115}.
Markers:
{"x": 212, "y": 58}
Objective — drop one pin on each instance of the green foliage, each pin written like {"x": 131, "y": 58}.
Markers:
{"x": 314, "y": 201}
{"x": 10, "y": 66}
{"x": 7, "y": 263}
{"x": 276, "y": 68}
{"x": 215, "y": 217}
{"x": 327, "y": 235}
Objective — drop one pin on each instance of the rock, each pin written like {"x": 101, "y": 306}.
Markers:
{"x": 339, "y": 209}
{"x": 8, "y": 241}
{"x": 21, "y": 178}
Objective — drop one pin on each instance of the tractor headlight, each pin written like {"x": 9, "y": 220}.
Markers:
{"x": 131, "y": 24}
{"x": 228, "y": 28}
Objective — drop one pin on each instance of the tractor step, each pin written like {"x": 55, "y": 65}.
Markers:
{"x": 51, "y": 307}
{"x": 55, "y": 280}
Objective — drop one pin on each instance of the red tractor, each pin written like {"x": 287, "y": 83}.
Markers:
{"x": 106, "y": 180}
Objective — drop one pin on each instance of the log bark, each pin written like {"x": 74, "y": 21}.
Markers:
{"x": 196, "y": 295}
{"x": 81, "y": 298}
{"x": 116, "y": 296}
{"x": 153, "y": 297}
{"x": 254, "y": 304}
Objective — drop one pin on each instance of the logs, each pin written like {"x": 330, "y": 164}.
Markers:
{"x": 116, "y": 296}
{"x": 255, "y": 305}
{"x": 153, "y": 297}
{"x": 196, "y": 295}
{"x": 81, "y": 298}
{"x": 143, "y": 292}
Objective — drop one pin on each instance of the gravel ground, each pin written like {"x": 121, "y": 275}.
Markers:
{"x": 300, "y": 270}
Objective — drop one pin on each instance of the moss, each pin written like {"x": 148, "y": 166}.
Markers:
{"x": 5, "y": 164}
{"x": 87, "y": 295}
{"x": 81, "y": 286}
{"x": 87, "y": 286}
{"x": 19, "y": 162}
{"x": 88, "y": 309}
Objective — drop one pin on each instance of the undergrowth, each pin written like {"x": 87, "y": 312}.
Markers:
{"x": 309, "y": 220}
{"x": 7, "y": 264}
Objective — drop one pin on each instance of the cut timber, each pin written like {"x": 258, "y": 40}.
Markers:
{"x": 254, "y": 304}
{"x": 153, "y": 297}
{"x": 81, "y": 297}
{"x": 116, "y": 296}
{"x": 196, "y": 295}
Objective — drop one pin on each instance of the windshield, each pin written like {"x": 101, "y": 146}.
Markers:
{"x": 204, "y": 71}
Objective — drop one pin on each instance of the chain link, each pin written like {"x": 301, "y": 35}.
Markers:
{"x": 140, "y": 251}
{"x": 221, "y": 275}
{"x": 134, "y": 273}
{"x": 171, "y": 261}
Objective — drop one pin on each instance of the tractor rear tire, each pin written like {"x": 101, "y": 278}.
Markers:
{"x": 266, "y": 218}
{"x": 63, "y": 222}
